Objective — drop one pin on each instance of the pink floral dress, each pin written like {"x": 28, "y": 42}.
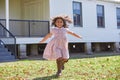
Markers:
{"x": 58, "y": 46}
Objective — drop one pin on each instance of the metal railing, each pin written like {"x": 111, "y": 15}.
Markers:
{"x": 27, "y": 28}
{"x": 8, "y": 39}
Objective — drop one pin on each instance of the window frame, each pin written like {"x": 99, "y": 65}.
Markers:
{"x": 118, "y": 18}
{"x": 100, "y": 19}
{"x": 78, "y": 16}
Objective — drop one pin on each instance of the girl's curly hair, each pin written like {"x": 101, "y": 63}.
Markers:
{"x": 64, "y": 18}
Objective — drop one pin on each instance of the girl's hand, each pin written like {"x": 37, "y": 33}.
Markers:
{"x": 46, "y": 37}
{"x": 81, "y": 37}
{"x": 74, "y": 34}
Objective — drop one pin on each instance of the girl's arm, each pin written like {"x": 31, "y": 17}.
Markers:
{"x": 73, "y": 34}
{"x": 46, "y": 37}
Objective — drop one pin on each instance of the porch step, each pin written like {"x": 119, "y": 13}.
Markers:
{"x": 1, "y": 46}
{"x": 3, "y": 49}
{"x": 7, "y": 58}
{"x": 5, "y": 55}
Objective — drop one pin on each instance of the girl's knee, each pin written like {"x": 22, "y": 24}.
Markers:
{"x": 62, "y": 59}
{"x": 65, "y": 59}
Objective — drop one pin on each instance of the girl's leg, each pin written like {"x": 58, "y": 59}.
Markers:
{"x": 63, "y": 62}
{"x": 59, "y": 67}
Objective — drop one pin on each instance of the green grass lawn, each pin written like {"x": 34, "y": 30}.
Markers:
{"x": 97, "y": 68}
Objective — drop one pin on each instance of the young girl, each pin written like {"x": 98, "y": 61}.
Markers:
{"x": 57, "y": 48}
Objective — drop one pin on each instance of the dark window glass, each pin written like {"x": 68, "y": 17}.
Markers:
{"x": 118, "y": 18}
{"x": 77, "y": 14}
{"x": 100, "y": 16}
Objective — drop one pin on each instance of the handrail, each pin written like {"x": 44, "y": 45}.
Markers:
{"x": 5, "y": 37}
{"x": 2, "y": 42}
{"x": 7, "y": 30}
{"x": 27, "y": 28}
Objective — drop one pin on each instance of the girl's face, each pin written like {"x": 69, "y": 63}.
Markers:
{"x": 59, "y": 23}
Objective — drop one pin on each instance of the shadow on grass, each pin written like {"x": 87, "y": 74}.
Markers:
{"x": 46, "y": 77}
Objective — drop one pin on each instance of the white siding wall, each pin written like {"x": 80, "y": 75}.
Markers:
{"x": 35, "y": 9}
{"x": 90, "y": 31}
{"x": 14, "y": 9}
{"x": 2, "y": 9}
{"x": 26, "y": 9}
{"x": 49, "y": 8}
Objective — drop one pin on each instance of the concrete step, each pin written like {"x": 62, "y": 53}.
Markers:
{"x": 3, "y": 50}
{"x": 5, "y": 53}
{"x": 7, "y": 59}
{"x": 1, "y": 61}
{"x": 2, "y": 46}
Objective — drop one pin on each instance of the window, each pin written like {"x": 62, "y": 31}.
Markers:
{"x": 100, "y": 16}
{"x": 118, "y": 17}
{"x": 77, "y": 14}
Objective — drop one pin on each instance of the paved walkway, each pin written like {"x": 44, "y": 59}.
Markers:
{"x": 80, "y": 55}
{"x": 73, "y": 56}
